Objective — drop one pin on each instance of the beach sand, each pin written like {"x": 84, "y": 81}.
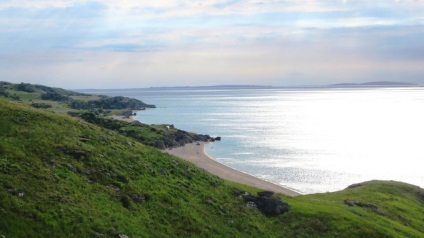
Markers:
{"x": 196, "y": 154}
{"x": 123, "y": 118}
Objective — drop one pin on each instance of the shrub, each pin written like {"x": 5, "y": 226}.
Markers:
{"x": 54, "y": 96}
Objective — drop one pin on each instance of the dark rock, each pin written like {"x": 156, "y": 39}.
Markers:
{"x": 77, "y": 154}
{"x": 139, "y": 198}
{"x": 184, "y": 140}
{"x": 160, "y": 144}
{"x": 113, "y": 187}
{"x": 83, "y": 139}
{"x": 204, "y": 138}
{"x": 217, "y": 138}
{"x": 249, "y": 198}
{"x": 70, "y": 167}
{"x": 163, "y": 172}
{"x": 85, "y": 172}
{"x": 351, "y": 203}
{"x": 367, "y": 205}
{"x": 126, "y": 202}
{"x": 272, "y": 206}
{"x": 265, "y": 194}
{"x": 267, "y": 203}
{"x": 174, "y": 144}
{"x": 251, "y": 205}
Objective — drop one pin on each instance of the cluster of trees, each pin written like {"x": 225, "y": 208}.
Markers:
{"x": 54, "y": 96}
{"x": 41, "y": 105}
{"x": 26, "y": 87}
{"x": 3, "y": 91}
{"x": 62, "y": 95}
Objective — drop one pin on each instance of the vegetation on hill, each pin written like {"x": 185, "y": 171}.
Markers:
{"x": 95, "y": 109}
{"x": 159, "y": 136}
{"x": 110, "y": 103}
{"x": 64, "y": 101}
{"x": 64, "y": 177}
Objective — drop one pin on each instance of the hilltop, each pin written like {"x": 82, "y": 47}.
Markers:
{"x": 68, "y": 102}
{"x": 64, "y": 177}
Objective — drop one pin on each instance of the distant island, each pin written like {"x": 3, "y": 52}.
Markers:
{"x": 237, "y": 87}
{"x": 374, "y": 84}
{"x": 181, "y": 88}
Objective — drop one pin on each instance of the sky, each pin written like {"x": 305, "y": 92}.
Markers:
{"x": 104, "y": 44}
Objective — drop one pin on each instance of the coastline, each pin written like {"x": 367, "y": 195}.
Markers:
{"x": 195, "y": 153}
{"x": 122, "y": 118}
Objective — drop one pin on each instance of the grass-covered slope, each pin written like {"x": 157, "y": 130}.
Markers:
{"x": 382, "y": 209}
{"x": 96, "y": 109}
{"x": 159, "y": 136}
{"x": 61, "y": 177}
{"x": 64, "y": 101}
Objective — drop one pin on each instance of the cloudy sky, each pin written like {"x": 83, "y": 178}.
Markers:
{"x": 139, "y": 43}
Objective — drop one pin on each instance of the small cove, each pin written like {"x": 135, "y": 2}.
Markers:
{"x": 312, "y": 140}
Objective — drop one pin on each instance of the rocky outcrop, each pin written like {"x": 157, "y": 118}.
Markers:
{"x": 76, "y": 153}
{"x": 181, "y": 138}
{"x": 351, "y": 203}
{"x": 266, "y": 202}
{"x": 204, "y": 138}
{"x": 160, "y": 144}
{"x": 83, "y": 139}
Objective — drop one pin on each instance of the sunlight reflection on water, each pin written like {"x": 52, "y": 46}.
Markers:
{"x": 312, "y": 140}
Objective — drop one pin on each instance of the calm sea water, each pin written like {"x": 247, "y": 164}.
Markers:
{"x": 311, "y": 140}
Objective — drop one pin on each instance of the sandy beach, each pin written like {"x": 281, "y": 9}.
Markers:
{"x": 195, "y": 154}
{"x": 123, "y": 118}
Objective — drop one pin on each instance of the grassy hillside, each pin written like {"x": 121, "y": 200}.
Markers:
{"x": 63, "y": 177}
{"x": 63, "y": 101}
{"x": 96, "y": 109}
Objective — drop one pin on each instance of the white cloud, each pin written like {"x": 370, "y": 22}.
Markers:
{"x": 147, "y": 43}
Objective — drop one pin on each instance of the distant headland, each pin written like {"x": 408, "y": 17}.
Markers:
{"x": 236, "y": 87}
{"x": 374, "y": 84}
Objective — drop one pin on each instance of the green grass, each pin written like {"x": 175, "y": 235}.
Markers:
{"x": 54, "y": 184}
{"x": 29, "y": 93}
{"x": 155, "y": 135}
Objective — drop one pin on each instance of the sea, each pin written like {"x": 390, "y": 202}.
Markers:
{"x": 312, "y": 140}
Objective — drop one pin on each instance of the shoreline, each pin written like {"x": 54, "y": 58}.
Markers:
{"x": 195, "y": 153}
{"x": 122, "y": 118}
